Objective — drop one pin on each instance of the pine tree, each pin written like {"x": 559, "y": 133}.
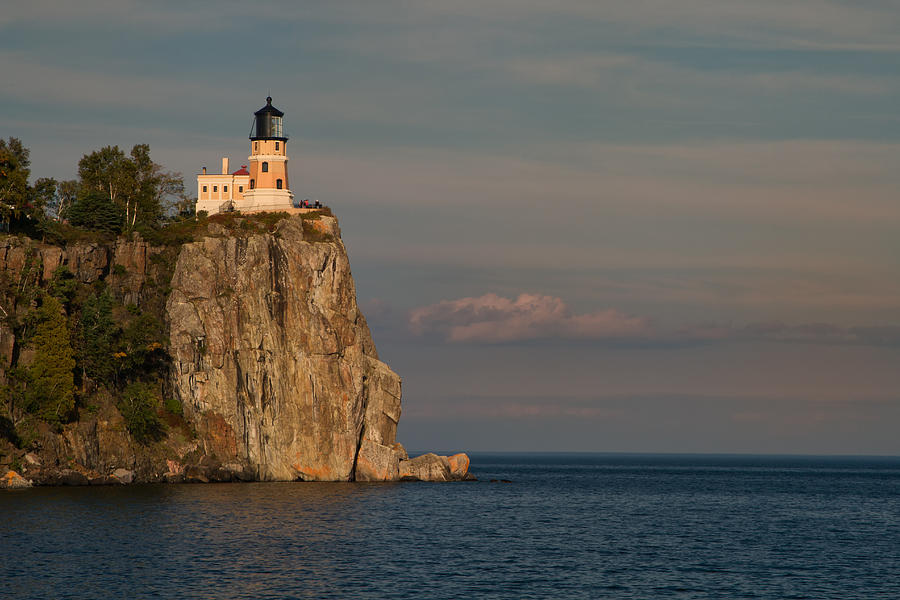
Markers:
{"x": 98, "y": 334}
{"x": 93, "y": 210}
{"x": 51, "y": 388}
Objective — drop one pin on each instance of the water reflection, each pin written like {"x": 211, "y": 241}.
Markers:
{"x": 237, "y": 539}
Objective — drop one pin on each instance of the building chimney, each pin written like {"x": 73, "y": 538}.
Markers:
{"x": 204, "y": 170}
{"x": 224, "y": 165}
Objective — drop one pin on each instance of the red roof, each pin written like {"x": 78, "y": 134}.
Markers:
{"x": 242, "y": 171}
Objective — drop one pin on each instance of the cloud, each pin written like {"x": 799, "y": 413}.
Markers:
{"x": 493, "y": 319}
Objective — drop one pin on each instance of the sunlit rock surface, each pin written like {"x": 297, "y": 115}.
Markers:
{"x": 274, "y": 362}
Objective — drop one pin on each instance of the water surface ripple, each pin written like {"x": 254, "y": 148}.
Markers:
{"x": 568, "y": 526}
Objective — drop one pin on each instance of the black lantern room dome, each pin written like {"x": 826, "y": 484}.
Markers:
{"x": 267, "y": 123}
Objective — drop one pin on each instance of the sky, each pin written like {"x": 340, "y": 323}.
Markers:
{"x": 636, "y": 226}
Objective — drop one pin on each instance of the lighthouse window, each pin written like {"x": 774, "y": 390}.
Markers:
{"x": 204, "y": 189}
{"x": 278, "y": 183}
{"x": 241, "y": 189}
{"x": 224, "y": 188}
{"x": 276, "y": 146}
{"x": 252, "y": 183}
{"x": 255, "y": 146}
{"x": 265, "y": 167}
{"x": 215, "y": 188}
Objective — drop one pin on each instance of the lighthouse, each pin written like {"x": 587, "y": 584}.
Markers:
{"x": 265, "y": 186}
{"x": 269, "y": 189}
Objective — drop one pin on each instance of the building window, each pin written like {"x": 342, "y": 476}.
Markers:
{"x": 225, "y": 188}
{"x": 204, "y": 189}
{"x": 252, "y": 184}
{"x": 276, "y": 146}
{"x": 278, "y": 183}
{"x": 241, "y": 188}
{"x": 215, "y": 188}
{"x": 265, "y": 167}
{"x": 255, "y": 146}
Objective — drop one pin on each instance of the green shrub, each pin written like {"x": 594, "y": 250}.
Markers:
{"x": 174, "y": 406}
{"x": 63, "y": 286}
{"x": 173, "y": 234}
{"x": 311, "y": 234}
{"x": 138, "y": 407}
{"x": 27, "y": 432}
{"x": 62, "y": 234}
{"x": 8, "y": 430}
{"x": 268, "y": 220}
{"x": 141, "y": 347}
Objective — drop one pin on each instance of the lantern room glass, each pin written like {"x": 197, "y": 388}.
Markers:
{"x": 275, "y": 126}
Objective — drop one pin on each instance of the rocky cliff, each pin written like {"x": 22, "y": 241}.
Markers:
{"x": 268, "y": 355}
{"x": 273, "y": 360}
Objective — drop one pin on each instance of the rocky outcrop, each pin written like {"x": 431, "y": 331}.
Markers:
{"x": 13, "y": 481}
{"x": 123, "y": 475}
{"x": 432, "y": 467}
{"x": 428, "y": 467}
{"x": 98, "y": 450}
{"x": 271, "y": 360}
{"x": 377, "y": 463}
{"x": 274, "y": 362}
{"x": 459, "y": 465}
{"x": 132, "y": 268}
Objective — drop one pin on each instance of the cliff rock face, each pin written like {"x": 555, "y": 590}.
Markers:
{"x": 127, "y": 265}
{"x": 270, "y": 358}
{"x": 89, "y": 449}
{"x": 274, "y": 362}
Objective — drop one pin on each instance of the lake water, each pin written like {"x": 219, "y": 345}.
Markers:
{"x": 568, "y": 526}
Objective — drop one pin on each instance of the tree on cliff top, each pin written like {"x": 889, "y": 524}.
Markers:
{"x": 43, "y": 196}
{"x": 66, "y": 194}
{"x": 95, "y": 211}
{"x": 153, "y": 188}
{"x": 135, "y": 184}
{"x": 14, "y": 172}
{"x": 20, "y": 202}
{"x": 50, "y": 391}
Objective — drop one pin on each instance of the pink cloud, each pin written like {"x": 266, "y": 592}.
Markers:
{"x": 493, "y": 318}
